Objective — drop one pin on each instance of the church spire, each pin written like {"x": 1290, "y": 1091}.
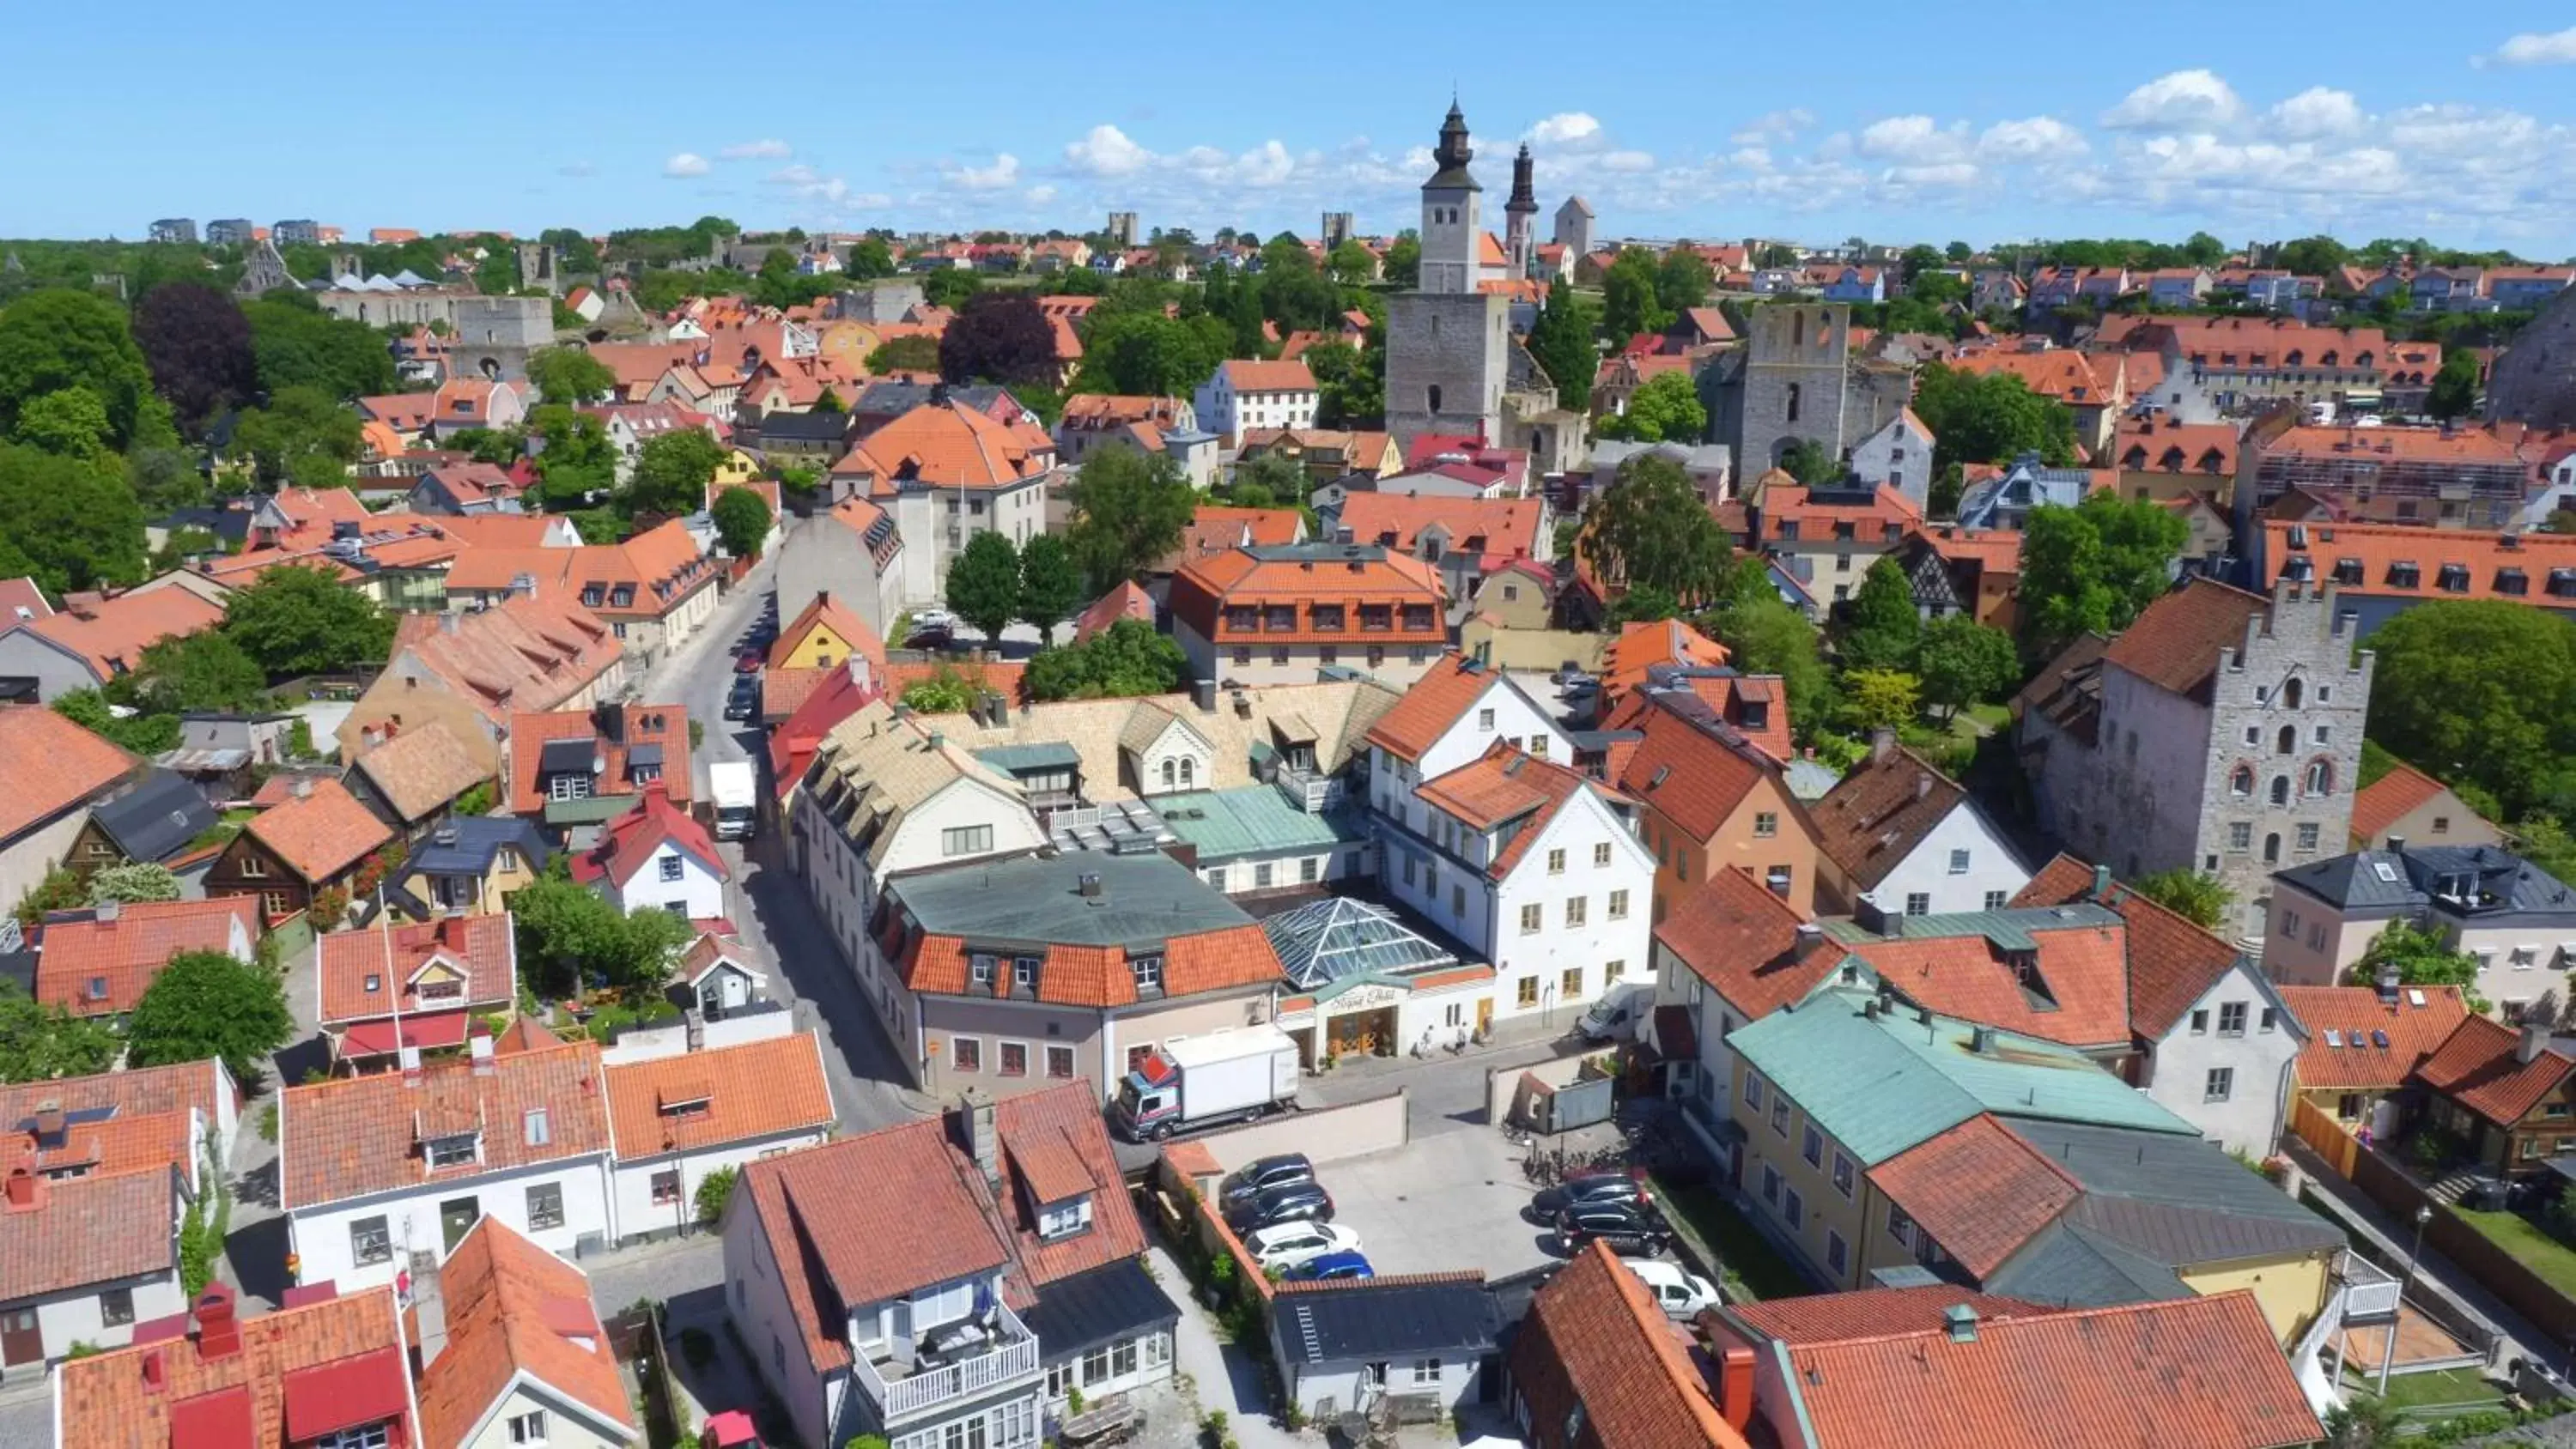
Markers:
{"x": 1524, "y": 193}
{"x": 1454, "y": 153}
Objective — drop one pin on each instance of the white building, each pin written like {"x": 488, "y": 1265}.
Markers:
{"x": 680, "y": 1117}
{"x": 1897, "y": 837}
{"x": 2223, "y": 1064}
{"x": 525, "y": 1359}
{"x": 1242, "y": 395}
{"x": 655, "y": 857}
{"x": 1456, "y": 712}
{"x": 1898, "y": 456}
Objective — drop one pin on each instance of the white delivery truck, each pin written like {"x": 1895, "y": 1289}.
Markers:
{"x": 1200, "y": 1081}
{"x": 734, "y": 786}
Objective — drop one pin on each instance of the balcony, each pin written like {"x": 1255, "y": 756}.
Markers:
{"x": 950, "y": 1363}
{"x": 1310, "y": 790}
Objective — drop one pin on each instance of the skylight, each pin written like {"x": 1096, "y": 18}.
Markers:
{"x": 2387, "y": 873}
{"x": 2334, "y": 1038}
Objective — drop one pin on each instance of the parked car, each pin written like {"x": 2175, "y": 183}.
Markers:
{"x": 1585, "y": 1188}
{"x": 748, "y": 662}
{"x": 1616, "y": 1013}
{"x": 1262, "y": 1174}
{"x": 933, "y": 617}
{"x": 1630, "y": 1230}
{"x": 1330, "y": 1267}
{"x": 1290, "y": 1244}
{"x": 1680, "y": 1294}
{"x": 741, "y": 706}
{"x": 928, "y": 639}
{"x": 1294, "y": 1203}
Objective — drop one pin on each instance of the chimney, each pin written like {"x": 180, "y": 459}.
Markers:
{"x": 972, "y": 1123}
{"x": 409, "y": 1056}
{"x": 302, "y": 789}
{"x": 1090, "y": 881}
{"x": 1962, "y": 1321}
{"x": 479, "y": 1047}
{"x": 1735, "y": 1385}
{"x": 2102, "y": 883}
{"x": 1982, "y": 1042}
{"x": 106, "y": 912}
{"x": 52, "y": 1128}
{"x": 451, "y": 932}
{"x": 2387, "y": 983}
{"x": 218, "y": 1332}
{"x": 1809, "y": 933}
{"x": 153, "y": 1374}
{"x": 1882, "y": 743}
{"x": 2535, "y": 1040}
{"x": 1922, "y": 785}
{"x": 2397, "y": 845}
{"x": 26, "y": 1191}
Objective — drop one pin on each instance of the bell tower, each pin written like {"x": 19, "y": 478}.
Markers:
{"x": 1452, "y": 213}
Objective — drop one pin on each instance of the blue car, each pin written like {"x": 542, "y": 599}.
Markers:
{"x": 1329, "y": 1267}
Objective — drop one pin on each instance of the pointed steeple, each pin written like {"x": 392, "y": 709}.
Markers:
{"x": 1524, "y": 194}
{"x": 1454, "y": 153}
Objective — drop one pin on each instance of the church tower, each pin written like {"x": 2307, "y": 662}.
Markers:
{"x": 1519, "y": 243}
{"x": 1452, "y": 212}
{"x": 1448, "y": 341}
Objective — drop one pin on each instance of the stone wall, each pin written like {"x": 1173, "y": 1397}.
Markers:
{"x": 2534, "y": 381}
{"x": 1454, "y": 345}
{"x": 1796, "y": 371}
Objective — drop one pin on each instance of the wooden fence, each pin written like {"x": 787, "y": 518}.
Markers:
{"x": 2324, "y": 1136}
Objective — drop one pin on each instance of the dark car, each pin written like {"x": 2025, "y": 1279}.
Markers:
{"x": 1584, "y": 1189}
{"x": 1262, "y": 1174}
{"x": 1630, "y": 1230}
{"x": 1330, "y": 1268}
{"x": 743, "y": 705}
{"x": 1296, "y": 1202}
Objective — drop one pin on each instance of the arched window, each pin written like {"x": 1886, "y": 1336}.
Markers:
{"x": 1171, "y": 774}
{"x": 2321, "y": 778}
{"x": 1433, "y": 392}
{"x": 1797, "y": 393}
{"x": 2241, "y": 784}
{"x": 2280, "y": 789}
{"x": 2272, "y": 848}
{"x": 1189, "y": 772}
{"x": 2286, "y": 741}
{"x": 2290, "y": 693}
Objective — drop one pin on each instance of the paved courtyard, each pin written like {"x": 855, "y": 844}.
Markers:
{"x": 1440, "y": 1204}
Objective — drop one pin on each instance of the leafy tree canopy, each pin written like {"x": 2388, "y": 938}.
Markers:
{"x": 984, "y": 583}
{"x": 52, "y": 340}
{"x": 1666, "y": 406}
{"x": 999, "y": 337}
{"x": 71, "y": 522}
{"x": 672, "y": 472}
{"x": 296, "y": 345}
{"x": 296, "y": 620}
{"x": 1993, "y": 418}
{"x": 742, "y": 520}
{"x": 1050, "y": 585}
{"x": 2481, "y": 691}
{"x": 208, "y": 1004}
{"x": 571, "y": 938}
{"x": 198, "y": 345}
{"x": 1125, "y": 660}
{"x": 1561, "y": 343}
{"x": 570, "y": 375}
{"x": 2092, "y": 568}
{"x": 2200, "y": 899}
{"x": 40, "y": 1042}
{"x": 1962, "y": 662}
{"x": 1128, "y": 512}
{"x": 1631, "y": 300}
{"x": 916, "y": 353}
{"x": 1650, "y": 528}
{"x": 1880, "y": 628}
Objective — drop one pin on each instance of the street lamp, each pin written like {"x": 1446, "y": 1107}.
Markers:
{"x": 2388, "y": 1356}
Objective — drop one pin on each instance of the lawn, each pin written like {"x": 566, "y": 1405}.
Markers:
{"x": 1745, "y": 1260}
{"x": 2535, "y": 1249}
{"x": 2461, "y": 1388}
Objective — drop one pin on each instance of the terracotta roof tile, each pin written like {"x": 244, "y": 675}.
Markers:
{"x": 2175, "y": 642}
{"x": 662, "y": 727}
{"x": 128, "y": 952}
{"x": 2388, "y": 799}
{"x": 525, "y": 653}
{"x": 2083, "y": 970}
{"x": 2447, "y": 563}
{"x": 1595, "y": 1339}
{"x": 1979, "y": 1190}
{"x": 1352, "y": 577}
{"x": 49, "y": 765}
{"x": 2165, "y": 445}
{"x": 110, "y": 635}
{"x": 1743, "y": 941}
{"x": 1506, "y": 784}
{"x": 514, "y": 1308}
{"x": 359, "y": 1135}
{"x": 949, "y": 445}
{"x": 743, "y": 1093}
{"x": 321, "y": 834}
{"x": 2061, "y": 373}
{"x": 1641, "y": 647}
{"x": 1098, "y": 976}
{"x": 2172, "y": 961}
{"x": 827, "y": 613}
{"x": 1061, "y": 1129}
{"x": 483, "y": 947}
{"x": 1127, "y": 601}
{"x": 421, "y": 771}
{"x": 1441, "y": 698}
{"x": 95, "y": 1229}
{"x": 2478, "y": 1066}
{"x": 107, "y": 1401}
{"x": 639, "y": 834}
{"x": 1499, "y": 528}
{"x": 1684, "y": 768}
{"x": 1826, "y": 1316}
{"x": 2354, "y": 1059}
{"x": 1877, "y": 815}
{"x": 1251, "y": 377}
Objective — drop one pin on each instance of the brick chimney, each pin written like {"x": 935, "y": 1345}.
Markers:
{"x": 972, "y": 1123}
{"x": 218, "y": 1332}
{"x": 1735, "y": 1385}
{"x": 26, "y": 1191}
{"x": 479, "y": 1047}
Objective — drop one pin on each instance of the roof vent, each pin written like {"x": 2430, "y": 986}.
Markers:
{"x": 1961, "y": 1321}
{"x": 1090, "y": 884}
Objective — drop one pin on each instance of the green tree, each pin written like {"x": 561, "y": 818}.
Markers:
{"x": 1962, "y": 662}
{"x": 1402, "y": 264}
{"x": 304, "y": 433}
{"x": 1050, "y": 585}
{"x": 72, "y": 422}
{"x": 828, "y": 401}
{"x": 1993, "y": 418}
{"x": 869, "y": 259}
{"x": 1630, "y": 303}
{"x": 742, "y": 520}
{"x": 1351, "y": 264}
{"x": 141, "y": 881}
{"x": 297, "y": 620}
{"x": 672, "y": 472}
{"x": 2092, "y": 568}
{"x": 1651, "y": 529}
{"x": 571, "y": 938}
{"x": 576, "y": 460}
{"x": 140, "y": 734}
{"x": 946, "y": 692}
{"x": 1146, "y": 354}
{"x": 950, "y": 286}
{"x": 2421, "y": 958}
{"x": 52, "y": 340}
{"x": 70, "y": 522}
{"x": 1881, "y": 698}
{"x": 1666, "y": 406}
{"x": 1126, "y": 660}
{"x": 1350, "y": 388}
{"x": 1641, "y": 604}
{"x": 1811, "y": 463}
{"x": 208, "y": 1004}
{"x": 1560, "y": 341}
{"x": 716, "y": 1188}
{"x": 2315, "y": 256}
{"x": 40, "y": 1042}
{"x": 1682, "y": 280}
{"x": 295, "y": 345}
{"x": 2454, "y": 393}
{"x": 1128, "y": 511}
{"x": 2481, "y": 691}
{"x": 208, "y": 670}
{"x": 570, "y": 375}
{"x": 2199, "y": 899}
{"x": 499, "y": 447}
{"x": 984, "y": 583}
{"x": 1880, "y": 628}
{"x": 1266, "y": 480}
{"x": 998, "y": 337}
{"x": 917, "y": 352}
{"x": 1764, "y": 635}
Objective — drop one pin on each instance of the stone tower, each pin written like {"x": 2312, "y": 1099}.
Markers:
{"x": 2534, "y": 381}
{"x": 1448, "y": 342}
{"x": 1337, "y": 229}
{"x": 1519, "y": 246}
{"x": 1796, "y": 366}
{"x": 1574, "y": 226}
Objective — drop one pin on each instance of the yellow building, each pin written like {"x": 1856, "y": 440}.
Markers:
{"x": 468, "y": 865}
{"x": 826, "y": 634}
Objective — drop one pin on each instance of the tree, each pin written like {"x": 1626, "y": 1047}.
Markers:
{"x": 296, "y": 345}
{"x": 1629, "y": 300}
{"x": 1350, "y": 389}
{"x": 672, "y": 472}
{"x": 2092, "y": 568}
{"x": 298, "y": 620}
{"x": 1560, "y": 341}
{"x": 140, "y": 734}
{"x": 984, "y": 583}
{"x": 1402, "y": 264}
{"x": 1266, "y": 480}
{"x": 2421, "y": 959}
{"x": 2481, "y": 691}
{"x": 716, "y": 1188}
{"x": 142, "y": 881}
{"x": 55, "y": 339}
{"x": 2454, "y": 393}
{"x": 1124, "y": 661}
{"x": 2315, "y": 256}
{"x": 1763, "y": 635}
{"x": 869, "y": 259}
{"x": 162, "y": 479}
{"x": 1146, "y": 354}
{"x": 1641, "y": 604}
{"x": 208, "y": 1004}
{"x": 1650, "y": 529}
{"x": 1811, "y": 463}
{"x": 303, "y": 434}
{"x": 1127, "y": 513}
{"x": 570, "y": 375}
{"x": 499, "y": 447}
{"x": 1666, "y": 406}
{"x": 943, "y": 693}
{"x": 1682, "y": 280}
{"x": 1351, "y": 264}
{"x": 828, "y": 401}
{"x": 1881, "y": 699}
{"x": 576, "y": 461}
{"x": 1962, "y": 662}
{"x": 1880, "y": 628}
{"x": 742, "y": 521}
{"x": 2199, "y": 899}
{"x": 949, "y": 286}
{"x": 196, "y": 342}
{"x": 40, "y": 1042}
{"x": 1993, "y": 418}
{"x": 571, "y": 938}
{"x": 918, "y": 352}
{"x": 71, "y": 522}
{"x": 72, "y": 422}
{"x": 999, "y": 337}
{"x": 1050, "y": 585}
{"x": 205, "y": 671}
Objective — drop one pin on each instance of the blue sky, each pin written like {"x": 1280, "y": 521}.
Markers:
{"x": 1893, "y": 122}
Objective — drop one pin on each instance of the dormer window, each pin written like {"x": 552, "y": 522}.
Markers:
{"x": 593, "y": 595}
{"x": 1024, "y": 973}
{"x": 1064, "y": 1219}
{"x": 622, "y": 597}
{"x": 1149, "y": 973}
{"x": 2404, "y": 574}
{"x": 979, "y": 969}
{"x": 460, "y": 1150}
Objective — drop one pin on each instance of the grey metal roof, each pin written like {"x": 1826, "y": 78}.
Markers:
{"x": 648, "y": 754}
{"x": 2480, "y": 883}
{"x": 466, "y": 844}
{"x": 156, "y": 818}
{"x": 1045, "y": 755}
{"x": 1038, "y": 900}
{"x": 1329, "y": 940}
{"x": 1097, "y": 1306}
{"x": 2069, "y": 1267}
{"x": 814, "y": 426}
{"x": 1254, "y": 820}
{"x": 2173, "y": 1200}
{"x": 1368, "y": 1321}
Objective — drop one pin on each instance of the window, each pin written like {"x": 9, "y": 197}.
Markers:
{"x": 457, "y": 1151}
{"x": 1958, "y": 862}
{"x": 1837, "y": 1252}
{"x": 2269, "y": 1020}
{"x": 1525, "y": 993}
{"x": 1899, "y": 1226}
{"x": 2308, "y": 836}
{"x": 966, "y": 840}
{"x": 1095, "y": 1365}
{"x": 1122, "y": 1357}
{"x": 1997, "y": 900}
{"x": 2200, "y": 1022}
{"x": 1570, "y": 985}
{"x": 1600, "y": 850}
{"x": 2272, "y": 848}
{"x": 1024, "y": 973}
{"x": 2280, "y": 789}
{"x": 1753, "y": 1091}
{"x": 1613, "y": 972}
{"x": 967, "y": 1052}
{"x": 1063, "y": 1220}
{"x": 980, "y": 969}
{"x": 1619, "y": 905}
{"x": 1844, "y": 1172}
{"x": 1059, "y": 1063}
{"x": 1158, "y": 1349}
{"x": 1530, "y": 919}
{"x": 365, "y": 1436}
{"x": 1015, "y": 1059}
{"x": 1576, "y": 908}
{"x": 545, "y": 1205}
{"x": 252, "y": 866}
{"x": 2221, "y": 1084}
{"x": 671, "y": 868}
{"x": 1811, "y": 1146}
{"x": 1779, "y": 1115}
{"x": 2240, "y": 835}
{"x": 1766, "y": 824}
{"x": 1485, "y": 720}
{"x": 1794, "y": 1208}
{"x": 369, "y": 1242}
{"x": 528, "y": 1428}
{"x": 1770, "y": 1183}
{"x": 666, "y": 1186}
{"x": 2231, "y": 1018}
{"x": 1556, "y": 862}
{"x": 1918, "y": 903}
{"x": 1458, "y": 901}
{"x": 1149, "y": 972}
{"x": 116, "y": 1307}
{"x": 2321, "y": 778}
{"x": 1308, "y": 871}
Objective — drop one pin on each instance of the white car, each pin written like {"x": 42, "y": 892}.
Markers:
{"x": 1679, "y": 1294}
{"x": 1289, "y": 1244}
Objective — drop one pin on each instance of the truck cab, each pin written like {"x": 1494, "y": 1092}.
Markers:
{"x": 734, "y": 785}
{"x": 1147, "y": 1110}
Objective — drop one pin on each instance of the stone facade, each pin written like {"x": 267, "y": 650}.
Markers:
{"x": 1448, "y": 345}
{"x": 1574, "y": 226}
{"x": 2534, "y": 381}
{"x": 1797, "y": 377}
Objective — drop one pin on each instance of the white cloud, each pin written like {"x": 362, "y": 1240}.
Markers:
{"x": 2184, "y": 98}
{"x": 1773, "y": 126}
{"x": 2316, "y": 112}
{"x": 1912, "y": 138}
{"x": 2532, "y": 48}
{"x": 686, "y": 163}
{"x": 578, "y": 168}
{"x": 1265, "y": 165}
{"x": 2037, "y": 138}
{"x": 764, "y": 150}
{"x": 1107, "y": 151}
{"x": 1003, "y": 173}
{"x": 1569, "y": 129}
{"x": 1628, "y": 161}
{"x": 799, "y": 174}
{"x": 1040, "y": 195}
{"x": 1943, "y": 173}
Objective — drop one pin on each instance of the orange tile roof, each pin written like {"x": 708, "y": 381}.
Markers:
{"x": 1743, "y": 941}
{"x": 1640, "y": 647}
{"x": 1127, "y": 601}
{"x": 358, "y": 1135}
{"x": 1442, "y": 697}
{"x": 2175, "y": 642}
{"x": 2449, "y": 563}
{"x": 1980, "y": 1191}
{"x": 2478, "y": 1066}
{"x": 1254, "y": 377}
{"x": 1789, "y": 502}
{"x": 513, "y": 1308}
{"x": 1596, "y": 1340}
{"x": 1005, "y": 677}
{"x": 1098, "y": 976}
{"x": 1872, "y": 1311}
{"x": 95, "y": 1229}
{"x": 949, "y": 445}
{"x": 482, "y": 946}
{"x": 2388, "y": 799}
{"x": 419, "y": 772}
{"x": 128, "y": 952}
{"x": 2084, "y": 968}
{"x": 1352, "y": 576}
{"x": 1103, "y": 411}
{"x": 639, "y": 835}
{"x": 2172, "y": 961}
{"x": 49, "y": 765}
{"x": 746, "y": 1092}
{"x": 110, "y": 635}
{"x": 1499, "y": 528}
{"x": 524, "y": 653}
{"x": 2248, "y": 343}
{"x": 1213, "y": 529}
{"x": 830, "y": 613}
{"x": 2444, "y": 445}
{"x": 321, "y": 834}
{"x": 1995, "y": 550}
{"x": 2360, "y": 1020}
{"x": 2056, "y": 372}
{"x": 21, "y": 599}
{"x": 662, "y": 725}
{"x": 2166, "y": 445}
{"x": 1506, "y": 784}
{"x": 2200, "y": 1371}
{"x": 109, "y": 1401}
{"x": 1682, "y": 770}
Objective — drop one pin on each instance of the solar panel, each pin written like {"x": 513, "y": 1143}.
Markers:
{"x": 2379, "y": 1039}
{"x": 2334, "y": 1038}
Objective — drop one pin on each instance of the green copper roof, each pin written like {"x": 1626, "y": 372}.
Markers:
{"x": 1253, "y": 820}
{"x": 2009, "y": 929}
{"x": 1880, "y": 1086}
{"x": 589, "y": 809}
{"x": 1141, "y": 901}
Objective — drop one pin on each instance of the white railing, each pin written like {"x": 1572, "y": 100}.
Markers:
{"x": 2374, "y": 1292}
{"x": 1309, "y": 790}
{"x": 1015, "y": 1356}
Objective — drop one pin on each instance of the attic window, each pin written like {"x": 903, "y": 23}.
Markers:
{"x": 980, "y": 969}
{"x": 2454, "y": 578}
{"x": 1064, "y": 1219}
{"x": 459, "y": 1150}
{"x": 2347, "y": 571}
{"x": 593, "y": 595}
{"x": 1149, "y": 972}
{"x": 2405, "y": 574}
{"x": 2387, "y": 873}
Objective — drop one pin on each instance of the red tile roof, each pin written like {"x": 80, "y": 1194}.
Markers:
{"x": 1061, "y": 1127}
{"x": 2173, "y": 962}
{"x": 109, "y": 635}
{"x": 2055, "y": 372}
{"x": 420, "y": 772}
{"x": 2390, "y": 798}
{"x": 482, "y": 947}
{"x": 2479, "y": 1067}
{"x": 1689, "y": 775}
{"x": 1595, "y": 1339}
{"x": 1214, "y": 529}
{"x": 1127, "y": 601}
{"x": 2084, "y": 970}
{"x": 515, "y": 1309}
{"x": 1252, "y": 377}
{"x": 1640, "y": 647}
{"x": 524, "y": 653}
{"x": 949, "y": 445}
{"x": 49, "y": 765}
{"x": 111, "y": 1401}
{"x": 1823, "y": 1316}
{"x": 2449, "y": 563}
{"x": 85, "y": 1230}
{"x": 358, "y": 1135}
{"x": 1743, "y": 941}
{"x": 321, "y": 834}
{"x": 718, "y": 1097}
{"x": 2175, "y": 642}
{"x": 828, "y": 613}
{"x": 662, "y": 725}
{"x": 128, "y": 950}
{"x": 1361, "y": 576}
{"x": 2354, "y": 1059}
{"x": 1980, "y": 1191}
{"x": 834, "y": 698}
{"x": 639, "y": 834}
{"x": 1505, "y": 784}
{"x": 1098, "y": 976}
{"x": 1441, "y": 698}
{"x": 2168, "y": 445}
{"x": 1499, "y": 528}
